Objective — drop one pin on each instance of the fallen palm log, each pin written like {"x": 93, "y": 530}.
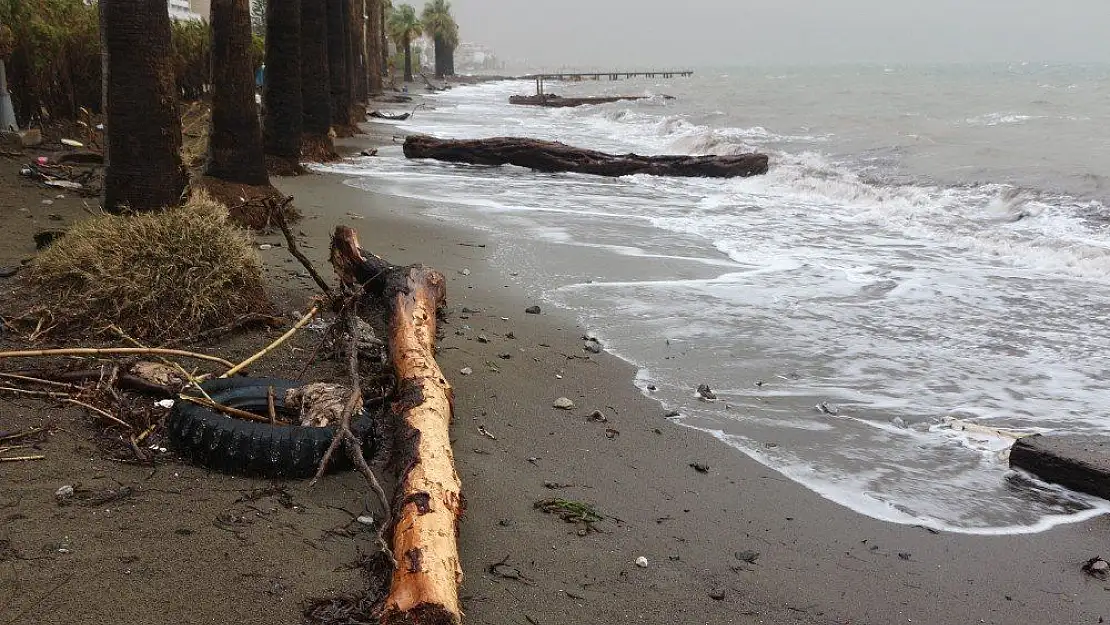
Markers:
{"x": 556, "y": 101}
{"x": 400, "y": 117}
{"x": 425, "y": 581}
{"x": 551, "y": 156}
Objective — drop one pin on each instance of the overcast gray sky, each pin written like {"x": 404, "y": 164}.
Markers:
{"x": 551, "y": 33}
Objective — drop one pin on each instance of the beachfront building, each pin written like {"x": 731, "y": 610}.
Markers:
{"x": 183, "y": 10}
{"x": 475, "y": 56}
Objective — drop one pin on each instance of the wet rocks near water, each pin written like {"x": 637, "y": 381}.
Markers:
{"x": 532, "y": 310}
{"x": 482, "y": 338}
{"x": 592, "y": 345}
{"x": 1078, "y": 462}
{"x": 597, "y": 417}
{"x": 563, "y": 403}
{"x": 1097, "y": 567}
{"x": 705, "y": 393}
{"x": 699, "y": 467}
{"x": 748, "y": 556}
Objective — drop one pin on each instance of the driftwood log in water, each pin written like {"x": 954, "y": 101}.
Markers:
{"x": 391, "y": 116}
{"x": 425, "y": 582}
{"x": 550, "y": 156}
{"x": 552, "y": 100}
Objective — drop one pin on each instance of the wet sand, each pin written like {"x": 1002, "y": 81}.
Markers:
{"x": 190, "y": 547}
{"x": 818, "y": 562}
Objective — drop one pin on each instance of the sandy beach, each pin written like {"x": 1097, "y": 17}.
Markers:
{"x": 737, "y": 543}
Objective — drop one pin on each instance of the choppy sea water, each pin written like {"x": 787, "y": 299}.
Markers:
{"x": 930, "y": 244}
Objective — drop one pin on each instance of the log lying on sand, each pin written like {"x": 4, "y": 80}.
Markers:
{"x": 425, "y": 582}
{"x": 391, "y": 116}
{"x": 550, "y": 156}
{"x": 556, "y": 101}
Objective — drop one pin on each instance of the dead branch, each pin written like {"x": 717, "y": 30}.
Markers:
{"x": 278, "y": 216}
{"x": 113, "y": 351}
{"x": 272, "y": 346}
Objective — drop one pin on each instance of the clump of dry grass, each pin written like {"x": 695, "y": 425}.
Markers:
{"x": 157, "y": 275}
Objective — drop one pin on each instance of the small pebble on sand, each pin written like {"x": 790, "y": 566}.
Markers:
{"x": 532, "y": 310}
{"x": 563, "y": 403}
{"x": 466, "y": 371}
{"x": 642, "y": 562}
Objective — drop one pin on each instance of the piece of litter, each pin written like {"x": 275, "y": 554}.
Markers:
{"x": 484, "y": 432}
{"x": 365, "y": 519}
{"x": 265, "y": 246}
{"x": 73, "y": 144}
{"x": 466, "y": 371}
{"x": 164, "y": 403}
{"x": 642, "y": 562}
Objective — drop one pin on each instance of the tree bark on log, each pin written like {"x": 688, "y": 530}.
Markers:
{"x": 550, "y": 156}
{"x": 425, "y": 582}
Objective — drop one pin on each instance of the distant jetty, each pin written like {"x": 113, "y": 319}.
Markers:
{"x": 556, "y": 101}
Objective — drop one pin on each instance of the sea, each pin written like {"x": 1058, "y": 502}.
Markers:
{"x": 923, "y": 274}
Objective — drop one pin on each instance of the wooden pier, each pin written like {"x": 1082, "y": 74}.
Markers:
{"x": 578, "y": 76}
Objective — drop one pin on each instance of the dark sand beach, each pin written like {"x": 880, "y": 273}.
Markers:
{"x": 736, "y": 544}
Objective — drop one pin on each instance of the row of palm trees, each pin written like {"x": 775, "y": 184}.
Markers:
{"x": 323, "y": 59}
{"x": 435, "y": 21}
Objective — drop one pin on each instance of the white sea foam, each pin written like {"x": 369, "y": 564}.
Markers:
{"x": 912, "y": 300}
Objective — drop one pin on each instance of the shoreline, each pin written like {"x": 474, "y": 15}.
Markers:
{"x": 818, "y": 562}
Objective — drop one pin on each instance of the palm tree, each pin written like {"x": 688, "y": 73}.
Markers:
{"x": 403, "y": 28}
{"x": 373, "y": 47}
{"x": 281, "y": 94}
{"x": 144, "y": 169}
{"x": 316, "y": 143}
{"x": 441, "y": 27}
{"x": 387, "y": 8}
{"x": 235, "y": 138}
{"x": 339, "y": 62}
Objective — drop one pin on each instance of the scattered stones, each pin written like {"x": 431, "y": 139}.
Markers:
{"x": 592, "y": 347}
{"x": 482, "y": 338}
{"x": 597, "y": 417}
{"x": 465, "y": 272}
{"x": 827, "y": 408}
{"x": 64, "y": 492}
{"x": 699, "y": 467}
{"x": 563, "y": 403}
{"x": 532, "y": 310}
{"x": 717, "y": 594}
{"x": 556, "y": 485}
{"x": 747, "y": 556}
{"x": 510, "y": 336}
{"x": 1097, "y": 567}
{"x": 611, "y": 434}
{"x": 265, "y": 246}
{"x": 705, "y": 393}
{"x": 365, "y": 519}
{"x": 505, "y": 522}
{"x": 642, "y": 562}
{"x": 7, "y": 272}
{"x": 470, "y": 311}
{"x": 898, "y": 422}
{"x": 671, "y": 414}
{"x": 54, "y": 217}
{"x": 904, "y": 555}
{"x": 505, "y": 356}
{"x": 466, "y": 371}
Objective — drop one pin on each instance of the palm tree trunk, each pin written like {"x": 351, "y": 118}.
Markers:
{"x": 235, "y": 138}
{"x": 408, "y": 60}
{"x": 373, "y": 47}
{"x": 282, "y": 93}
{"x": 144, "y": 169}
{"x": 440, "y": 60}
{"x": 357, "y": 68}
{"x": 450, "y": 54}
{"x": 316, "y": 144}
{"x": 338, "y": 51}
{"x": 385, "y": 39}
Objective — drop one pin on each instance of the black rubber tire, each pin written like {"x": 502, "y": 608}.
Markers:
{"x": 216, "y": 441}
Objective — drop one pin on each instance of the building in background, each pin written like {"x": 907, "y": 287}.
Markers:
{"x": 203, "y": 8}
{"x": 181, "y": 10}
{"x": 471, "y": 57}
